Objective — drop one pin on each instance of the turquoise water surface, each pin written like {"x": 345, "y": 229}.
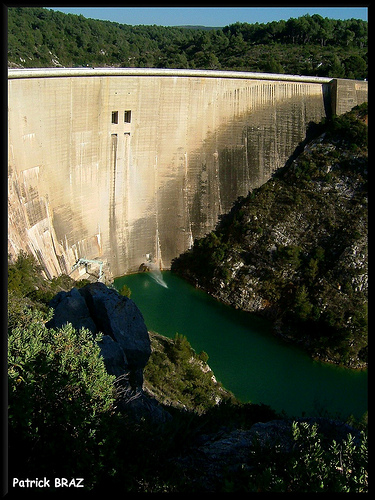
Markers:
{"x": 243, "y": 354}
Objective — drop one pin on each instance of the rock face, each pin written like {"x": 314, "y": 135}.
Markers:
{"x": 125, "y": 346}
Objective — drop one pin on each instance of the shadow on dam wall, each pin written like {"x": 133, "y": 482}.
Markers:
{"x": 239, "y": 156}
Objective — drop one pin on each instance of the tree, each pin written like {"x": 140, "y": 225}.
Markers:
{"x": 23, "y": 274}
{"x": 325, "y": 31}
{"x": 355, "y": 67}
{"x": 273, "y": 66}
{"x": 302, "y": 305}
{"x": 35, "y": 32}
{"x": 206, "y": 60}
{"x": 292, "y": 29}
{"x": 336, "y": 68}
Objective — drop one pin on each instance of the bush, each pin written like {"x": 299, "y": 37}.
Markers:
{"x": 24, "y": 274}
{"x": 178, "y": 375}
{"x": 26, "y": 280}
{"x": 125, "y": 291}
{"x": 311, "y": 466}
{"x": 59, "y": 396}
{"x": 348, "y": 128}
{"x": 203, "y": 356}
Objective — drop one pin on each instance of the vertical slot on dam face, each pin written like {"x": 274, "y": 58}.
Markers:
{"x": 125, "y": 197}
{"x": 113, "y": 175}
{"x": 112, "y": 198}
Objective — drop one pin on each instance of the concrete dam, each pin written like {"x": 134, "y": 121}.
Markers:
{"x": 130, "y": 165}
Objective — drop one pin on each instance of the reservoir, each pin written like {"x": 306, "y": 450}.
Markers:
{"x": 244, "y": 354}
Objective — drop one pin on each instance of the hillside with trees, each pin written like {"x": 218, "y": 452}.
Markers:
{"x": 309, "y": 45}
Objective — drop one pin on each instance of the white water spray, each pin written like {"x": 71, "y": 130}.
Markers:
{"x": 155, "y": 272}
{"x": 156, "y": 275}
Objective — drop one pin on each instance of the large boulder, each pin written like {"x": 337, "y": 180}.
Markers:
{"x": 120, "y": 318}
{"x": 70, "y": 307}
{"x": 126, "y": 345}
{"x": 114, "y": 357}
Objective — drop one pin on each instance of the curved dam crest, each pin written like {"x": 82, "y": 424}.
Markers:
{"x": 125, "y": 165}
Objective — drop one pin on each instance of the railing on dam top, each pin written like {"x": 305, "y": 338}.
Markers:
{"x": 198, "y": 73}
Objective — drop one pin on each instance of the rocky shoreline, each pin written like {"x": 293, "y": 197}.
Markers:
{"x": 277, "y": 328}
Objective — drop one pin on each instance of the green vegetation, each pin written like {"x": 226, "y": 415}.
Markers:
{"x": 59, "y": 397}
{"x": 185, "y": 380}
{"x": 311, "y": 466}
{"x": 309, "y": 45}
{"x": 26, "y": 283}
{"x": 125, "y": 291}
{"x": 295, "y": 249}
{"x": 63, "y": 420}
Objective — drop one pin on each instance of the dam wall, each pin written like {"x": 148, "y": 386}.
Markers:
{"x": 129, "y": 165}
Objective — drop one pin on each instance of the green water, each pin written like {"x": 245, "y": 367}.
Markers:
{"x": 243, "y": 353}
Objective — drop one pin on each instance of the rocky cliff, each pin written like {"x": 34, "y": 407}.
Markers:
{"x": 295, "y": 250}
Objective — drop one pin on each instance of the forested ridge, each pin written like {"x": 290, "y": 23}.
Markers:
{"x": 309, "y": 45}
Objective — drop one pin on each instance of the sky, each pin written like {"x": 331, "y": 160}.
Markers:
{"x": 209, "y": 16}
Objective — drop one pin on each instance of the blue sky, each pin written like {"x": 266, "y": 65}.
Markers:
{"x": 209, "y": 16}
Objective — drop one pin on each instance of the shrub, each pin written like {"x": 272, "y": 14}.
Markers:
{"x": 177, "y": 374}
{"x": 203, "y": 356}
{"x": 348, "y": 128}
{"x": 125, "y": 291}
{"x": 23, "y": 274}
{"x": 311, "y": 466}
{"x": 59, "y": 392}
